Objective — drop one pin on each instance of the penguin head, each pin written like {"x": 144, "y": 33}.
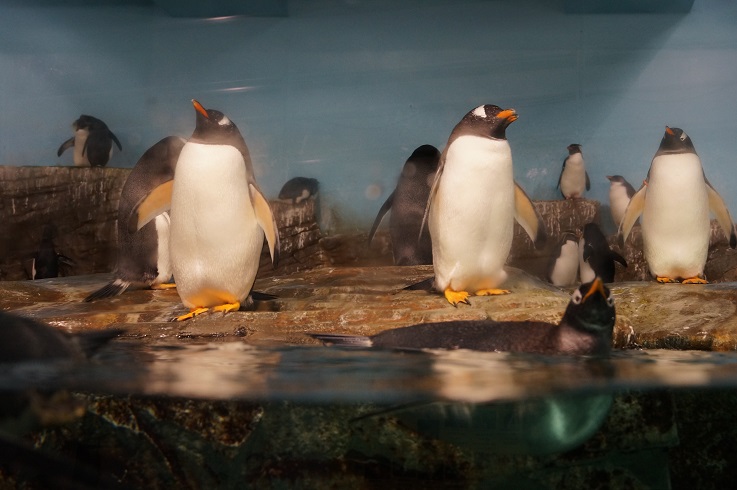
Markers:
{"x": 213, "y": 127}
{"x": 591, "y": 308}
{"x": 615, "y": 179}
{"x": 675, "y": 140}
{"x": 489, "y": 120}
{"x": 89, "y": 123}
{"x": 574, "y": 148}
{"x": 593, "y": 235}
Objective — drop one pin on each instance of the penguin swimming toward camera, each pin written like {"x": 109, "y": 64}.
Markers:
{"x": 143, "y": 255}
{"x": 473, "y": 204}
{"x": 620, "y": 193}
{"x": 574, "y": 179}
{"x": 299, "y": 189}
{"x": 585, "y": 329}
{"x": 674, "y": 202}
{"x": 92, "y": 142}
{"x": 563, "y": 265}
{"x": 219, "y": 217}
{"x": 596, "y": 256}
{"x": 408, "y": 203}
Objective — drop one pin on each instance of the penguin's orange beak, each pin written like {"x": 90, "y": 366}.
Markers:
{"x": 508, "y": 114}
{"x": 198, "y": 107}
{"x": 669, "y": 131}
{"x": 598, "y": 285}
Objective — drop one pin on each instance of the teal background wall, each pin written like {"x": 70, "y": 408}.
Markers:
{"x": 345, "y": 90}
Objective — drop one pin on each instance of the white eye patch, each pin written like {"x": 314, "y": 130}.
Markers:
{"x": 224, "y": 121}
{"x": 576, "y": 298}
{"x": 684, "y": 136}
{"x": 480, "y": 111}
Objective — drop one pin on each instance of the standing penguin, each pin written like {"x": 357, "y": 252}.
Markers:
{"x": 563, "y": 266}
{"x": 218, "y": 217}
{"x": 473, "y": 204}
{"x": 408, "y": 203}
{"x": 674, "y": 202}
{"x": 143, "y": 255}
{"x": 46, "y": 262}
{"x": 92, "y": 142}
{"x": 596, "y": 257}
{"x": 620, "y": 193}
{"x": 573, "y": 178}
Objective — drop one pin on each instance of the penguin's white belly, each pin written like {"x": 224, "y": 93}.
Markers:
{"x": 215, "y": 239}
{"x": 472, "y": 215}
{"x": 618, "y": 201}
{"x": 565, "y": 270}
{"x": 675, "y": 218}
{"x": 573, "y": 180}
{"x": 80, "y": 156}
{"x": 163, "y": 262}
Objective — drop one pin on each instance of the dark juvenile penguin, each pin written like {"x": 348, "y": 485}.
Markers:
{"x": 473, "y": 204}
{"x": 143, "y": 255}
{"x": 620, "y": 193}
{"x": 299, "y": 189}
{"x": 563, "y": 265}
{"x": 675, "y": 201}
{"x": 92, "y": 142}
{"x": 46, "y": 262}
{"x": 574, "y": 179}
{"x": 586, "y": 328}
{"x": 596, "y": 257}
{"x": 219, "y": 217}
{"x": 408, "y": 203}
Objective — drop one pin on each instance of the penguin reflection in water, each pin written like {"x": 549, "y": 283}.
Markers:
{"x": 92, "y": 142}
{"x": 674, "y": 202}
{"x": 218, "y": 217}
{"x": 585, "y": 329}
{"x": 473, "y": 204}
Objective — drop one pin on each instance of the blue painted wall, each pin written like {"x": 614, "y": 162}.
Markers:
{"x": 345, "y": 90}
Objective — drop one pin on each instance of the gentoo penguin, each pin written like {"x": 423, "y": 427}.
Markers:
{"x": 674, "y": 202}
{"x": 299, "y": 189}
{"x": 218, "y": 217}
{"x": 473, "y": 204}
{"x": 563, "y": 265}
{"x": 586, "y": 328}
{"x": 596, "y": 257}
{"x": 574, "y": 179}
{"x": 408, "y": 203}
{"x": 143, "y": 255}
{"x": 46, "y": 261}
{"x": 620, "y": 193}
{"x": 92, "y": 142}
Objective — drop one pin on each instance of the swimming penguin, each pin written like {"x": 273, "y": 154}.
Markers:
{"x": 299, "y": 189}
{"x": 674, "y": 202}
{"x": 596, "y": 257}
{"x": 143, "y": 255}
{"x": 46, "y": 261}
{"x": 473, "y": 204}
{"x": 586, "y": 328}
{"x": 563, "y": 265}
{"x": 573, "y": 178}
{"x": 218, "y": 217}
{"x": 620, "y": 193}
{"x": 408, "y": 203}
{"x": 92, "y": 142}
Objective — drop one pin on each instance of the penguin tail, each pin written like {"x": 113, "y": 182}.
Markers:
{"x": 424, "y": 285}
{"x": 114, "y": 288}
{"x": 344, "y": 340}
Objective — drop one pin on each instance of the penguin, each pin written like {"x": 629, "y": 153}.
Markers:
{"x": 219, "y": 217}
{"x": 585, "y": 329}
{"x": 299, "y": 189}
{"x": 674, "y": 201}
{"x": 46, "y": 262}
{"x": 407, "y": 204}
{"x": 596, "y": 257}
{"x": 573, "y": 178}
{"x": 472, "y": 206}
{"x": 620, "y": 193}
{"x": 143, "y": 255}
{"x": 563, "y": 265}
{"x": 92, "y": 142}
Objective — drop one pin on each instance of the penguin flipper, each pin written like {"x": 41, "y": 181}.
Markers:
{"x": 115, "y": 139}
{"x": 266, "y": 221}
{"x": 65, "y": 146}
{"x": 528, "y": 217}
{"x": 719, "y": 208}
{"x": 433, "y": 191}
{"x": 114, "y": 288}
{"x": 633, "y": 211}
{"x": 382, "y": 212}
{"x": 618, "y": 258}
{"x": 588, "y": 182}
{"x": 560, "y": 177}
{"x": 150, "y": 206}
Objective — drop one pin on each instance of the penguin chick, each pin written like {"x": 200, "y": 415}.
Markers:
{"x": 563, "y": 265}
{"x": 585, "y": 329}
{"x": 620, "y": 193}
{"x": 92, "y": 142}
{"x": 299, "y": 189}
{"x": 573, "y": 178}
{"x": 596, "y": 257}
{"x": 675, "y": 201}
{"x": 473, "y": 204}
{"x": 408, "y": 203}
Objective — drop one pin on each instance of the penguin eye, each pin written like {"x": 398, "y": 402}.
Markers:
{"x": 224, "y": 121}
{"x": 576, "y": 298}
{"x": 610, "y": 300}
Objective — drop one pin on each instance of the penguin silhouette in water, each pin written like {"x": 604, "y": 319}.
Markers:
{"x": 407, "y": 204}
{"x": 299, "y": 189}
{"x": 585, "y": 329}
{"x": 92, "y": 142}
{"x": 596, "y": 257}
{"x": 46, "y": 262}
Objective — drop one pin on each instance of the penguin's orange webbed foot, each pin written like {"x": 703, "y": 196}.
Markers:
{"x": 455, "y": 297}
{"x": 192, "y": 313}
{"x": 164, "y": 285}
{"x": 694, "y": 280}
{"x": 665, "y": 280}
{"x": 227, "y": 307}
{"x": 491, "y": 292}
